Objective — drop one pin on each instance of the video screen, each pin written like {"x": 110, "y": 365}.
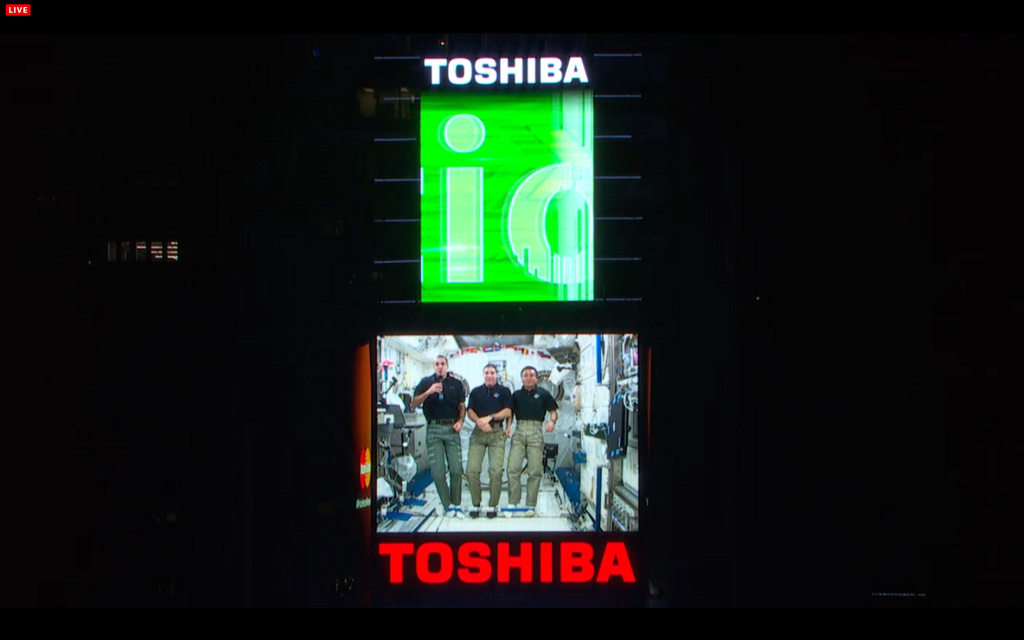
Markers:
{"x": 507, "y": 196}
{"x": 507, "y": 433}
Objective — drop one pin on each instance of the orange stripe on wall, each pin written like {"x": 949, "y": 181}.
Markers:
{"x": 361, "y": 441}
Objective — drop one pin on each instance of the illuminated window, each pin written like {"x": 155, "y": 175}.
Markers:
{"x": 157, "y": 251}
{"x": 367, "y": 102}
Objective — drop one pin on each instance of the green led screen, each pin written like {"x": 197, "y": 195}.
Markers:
{"x": 507, "y": 197}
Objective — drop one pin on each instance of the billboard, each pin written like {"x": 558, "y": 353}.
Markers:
{"x": 507, "y": 192}
{"x": 502, "y": 433}
{"x": 507, "y": 460}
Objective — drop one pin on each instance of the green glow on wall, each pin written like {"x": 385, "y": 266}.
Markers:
{"x": 508, "y": 190}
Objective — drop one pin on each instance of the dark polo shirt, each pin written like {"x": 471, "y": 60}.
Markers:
{"x": 485, "y": 401}
{"x": 532, "y": 405}
{"x": 437, "y": 410}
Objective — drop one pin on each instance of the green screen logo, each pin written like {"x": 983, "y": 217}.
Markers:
{"x": 507, "y": 197}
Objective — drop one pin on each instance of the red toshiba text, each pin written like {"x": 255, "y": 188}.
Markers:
{"x": 477, "y": 562}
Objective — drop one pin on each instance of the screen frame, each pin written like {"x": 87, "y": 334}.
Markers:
{"x": 615, "y": 591}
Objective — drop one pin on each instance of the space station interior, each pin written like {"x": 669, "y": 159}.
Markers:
{"x": 590, "y": 461}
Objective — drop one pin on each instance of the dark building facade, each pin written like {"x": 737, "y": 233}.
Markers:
{"x": 204, "y": 219}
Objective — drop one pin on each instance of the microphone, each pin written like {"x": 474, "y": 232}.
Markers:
{"x": 438, "y": 378}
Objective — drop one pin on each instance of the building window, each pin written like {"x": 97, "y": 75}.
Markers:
{"x": 367, "y": 102}
{"x": 156, "y": 250}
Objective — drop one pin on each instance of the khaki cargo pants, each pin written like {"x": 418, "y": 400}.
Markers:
{"x": 493, "y": 444}
{"x": 528, "y": 442}
{"x": 443, "y": 444}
